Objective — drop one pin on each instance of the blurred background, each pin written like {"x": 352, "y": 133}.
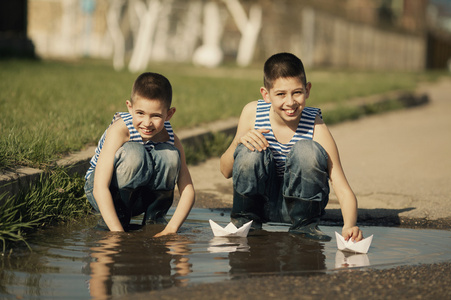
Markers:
{"x": 403, "y": 35}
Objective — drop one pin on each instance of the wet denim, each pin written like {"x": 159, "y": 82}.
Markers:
{"x": 138, "y": 173}
{"x": 305, "y": 178}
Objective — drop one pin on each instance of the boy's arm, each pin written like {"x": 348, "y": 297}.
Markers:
{"x": 187, "y": 195}
{"x": 345, "y": 195}
{"x": 252, "y": 138}
{"x": 116, "y": 136}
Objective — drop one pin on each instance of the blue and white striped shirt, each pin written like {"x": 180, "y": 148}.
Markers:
{"x": 134, "y": 137}
{"x": 304, "y": 131}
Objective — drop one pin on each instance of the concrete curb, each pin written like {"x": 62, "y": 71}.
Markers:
{"x": 20, "y": 179}
{"x": 14, "y": 181}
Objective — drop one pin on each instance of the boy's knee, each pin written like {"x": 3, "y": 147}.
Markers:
{"x": 170, "y": 157}
{"x": 246, "y": 159}
{"x": 167, "y": 166}
{"x": 167, "y": 156}
{"x": 130, "y": 158}
{"x": 172, "y": 164}
{"x": 251, "y": 170}
{"x": 308, "y": 154}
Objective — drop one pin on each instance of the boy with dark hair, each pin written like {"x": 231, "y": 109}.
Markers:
{"x": 139, "y": 160}
{"x": 283, "y": 156}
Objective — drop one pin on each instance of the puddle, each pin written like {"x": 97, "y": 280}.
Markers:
{"x": 73, "y": 262}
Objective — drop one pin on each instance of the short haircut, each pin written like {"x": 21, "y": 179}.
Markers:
{"x": 283, "y": 65}
{"x": 152, "y": 86}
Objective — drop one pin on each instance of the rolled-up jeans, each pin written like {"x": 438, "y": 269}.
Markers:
{"x": 305, "y": 178}
{"x": 138, "y": 173}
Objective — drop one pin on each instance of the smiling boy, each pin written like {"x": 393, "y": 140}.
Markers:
{"x": 139, "y": 160}
{"x": 283, "y": 156}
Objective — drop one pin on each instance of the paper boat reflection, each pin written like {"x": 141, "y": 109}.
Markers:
{"x": 228, "y": 244}
{"x": 350, "y": 246}
{"x": 350, "y": 260}
{"x": 230, "y": 230}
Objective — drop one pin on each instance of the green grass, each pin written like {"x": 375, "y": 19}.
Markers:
{"x": 212, "y": 146}
{"x": 51, "y": 108}
{"x": 56, "y": 197}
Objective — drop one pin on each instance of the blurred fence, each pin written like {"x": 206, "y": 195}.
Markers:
{"x": 439, "y": 49}
{"x": 134, "y": 32}
{"x": 340, "y": 43}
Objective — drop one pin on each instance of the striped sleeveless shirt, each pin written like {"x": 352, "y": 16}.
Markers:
{"x": 134, "y": 137}
{"x": 279, "y": 150}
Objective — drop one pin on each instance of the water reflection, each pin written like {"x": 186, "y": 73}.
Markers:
{"x": 124, "y": 263}
{"x": 228, "y": 244}
{"x": 76, "y": 261}
{"x": 179, "y": 249}
{"x": 350, "y": 260}
{"x": 278, "y": 253}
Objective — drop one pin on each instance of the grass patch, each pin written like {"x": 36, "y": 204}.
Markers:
{"x": 212, "y": 146}
{"x": 346, "y": 113}
{"x": 55, "y": 197}
{"x": 51, "y": 108}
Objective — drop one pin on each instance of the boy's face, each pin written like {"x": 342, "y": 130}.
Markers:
{"x": 287, "y": 98}
{"x": 149, "y": 116}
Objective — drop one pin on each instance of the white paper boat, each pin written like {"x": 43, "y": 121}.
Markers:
{"x": 230, "y": 229}
{"x": 350, "y": 246}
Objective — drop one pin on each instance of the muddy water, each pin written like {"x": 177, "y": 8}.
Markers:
{"x": 79, "y": 262}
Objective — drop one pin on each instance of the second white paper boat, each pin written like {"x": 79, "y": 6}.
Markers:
{"x": 230, "y": 229}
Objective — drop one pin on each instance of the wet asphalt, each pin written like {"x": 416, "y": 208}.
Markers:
{"x": 405, "y": 282}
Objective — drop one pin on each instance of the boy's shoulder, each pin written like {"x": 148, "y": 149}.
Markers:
{"x": 125, "y": 116}
{"x": 249, "y": 111}
{"x": 251, "y": 106}
{"x": 310, "y": 113}
{"x": 248, "y": 114}
{"x": 119, "y": 127}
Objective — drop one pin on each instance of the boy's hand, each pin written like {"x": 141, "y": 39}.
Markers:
{"x": 255, "y": 140}
{"x": 164, "y": 232}
{"x": 353, "y": 233}
{"x": 160, "y": 234}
